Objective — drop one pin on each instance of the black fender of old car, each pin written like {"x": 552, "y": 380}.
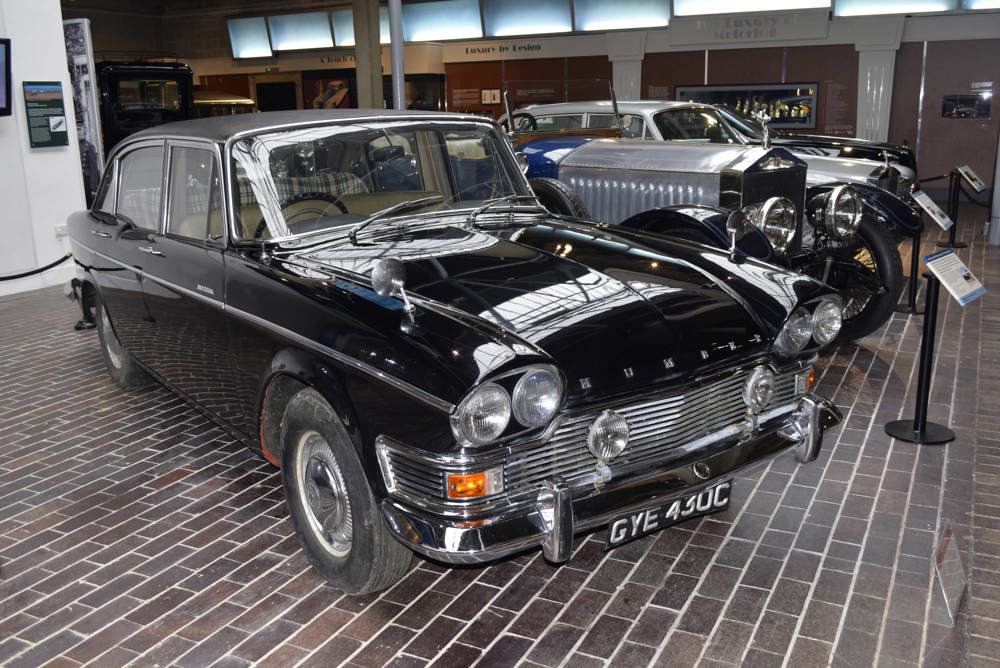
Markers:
{"x": 701, "y": 224}
{"x": 888, "y": 209}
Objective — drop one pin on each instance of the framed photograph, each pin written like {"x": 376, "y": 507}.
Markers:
{"x": 791, "y": 105}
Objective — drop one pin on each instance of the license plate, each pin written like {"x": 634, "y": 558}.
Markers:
{"x": 641, "y": 522}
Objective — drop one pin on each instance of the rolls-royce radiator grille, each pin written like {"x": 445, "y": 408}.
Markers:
{"x": 657, "y": 426}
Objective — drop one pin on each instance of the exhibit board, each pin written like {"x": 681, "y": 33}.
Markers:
{"x": 46, "y": 111}
{"x": 955, "y": 276}
{"x": 932, "y": 209}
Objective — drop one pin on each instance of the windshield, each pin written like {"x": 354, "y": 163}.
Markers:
{"x": 744, "y": 123}
{"x": 693, "y": 125}
{"x": 313, "y": 179}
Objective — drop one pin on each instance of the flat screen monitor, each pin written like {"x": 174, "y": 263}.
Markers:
{"x": 5, "y": 101}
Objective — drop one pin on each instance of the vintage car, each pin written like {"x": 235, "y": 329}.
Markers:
{"x": 843, "y": 234}
{"x": 438, "y": 364}
{"x": 830, "y": 159}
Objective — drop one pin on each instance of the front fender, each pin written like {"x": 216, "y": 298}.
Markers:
{"x": 699, "y": 223}
{"x": 883, "y": 206}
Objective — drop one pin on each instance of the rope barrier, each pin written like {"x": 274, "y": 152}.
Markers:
{"x": 32, "y": 272}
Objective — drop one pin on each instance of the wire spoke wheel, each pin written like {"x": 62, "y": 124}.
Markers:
{"x": 327, "y": 504}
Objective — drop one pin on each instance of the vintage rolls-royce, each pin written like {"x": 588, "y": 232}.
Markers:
{"x": 375, "y": 302}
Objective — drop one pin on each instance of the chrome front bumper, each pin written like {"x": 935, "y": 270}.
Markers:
{"x": 561, "y": 511}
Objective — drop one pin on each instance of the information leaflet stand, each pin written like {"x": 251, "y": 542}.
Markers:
{"x": 955, "y": 178}
{"x": 945, "y": 223}
{"x": 944, "y": 267}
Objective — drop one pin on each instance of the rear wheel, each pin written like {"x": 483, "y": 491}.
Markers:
{"x": 122, "y": 367}
{"x": 868, "y": 273}
{"x": 558, "y": 198}
{"x": 331, "y": 504}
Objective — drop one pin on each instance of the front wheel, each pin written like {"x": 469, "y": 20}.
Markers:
{"x": 868, "y": 273}
{"x": 122, "y": 367}
{"x": 331, "y": 504}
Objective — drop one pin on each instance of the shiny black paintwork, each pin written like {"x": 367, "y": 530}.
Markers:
{"x": 220, "y": 323}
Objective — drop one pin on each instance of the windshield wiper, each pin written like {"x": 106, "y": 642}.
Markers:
{"x": 395, "y": 208}
{"x": 490, "y": 203}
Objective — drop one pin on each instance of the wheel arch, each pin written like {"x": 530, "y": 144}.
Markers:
{"x": 701, "y": 224}
{"x": 888, "y": 209}
{"x": 292, "y": 371}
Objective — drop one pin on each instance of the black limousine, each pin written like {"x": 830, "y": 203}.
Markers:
{"x": 375, "y": 302}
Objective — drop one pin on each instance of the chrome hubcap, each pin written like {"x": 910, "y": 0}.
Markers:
{"x": 327, "y": 505}
{"x": 111, "y": 341}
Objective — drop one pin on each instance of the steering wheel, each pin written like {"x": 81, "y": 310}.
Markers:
{"x": 518, "y": 115}
{"x": 303, "y": 197}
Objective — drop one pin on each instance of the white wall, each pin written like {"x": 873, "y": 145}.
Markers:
{"x": 39, "y": 187}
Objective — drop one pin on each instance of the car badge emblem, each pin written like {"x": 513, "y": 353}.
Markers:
{"x": 731, "y": 345}
{"x": 701, "y": 470}
{"x": 669, "y": 363}
{"x": 629, "y": 373}
{"x": 584, "y": 383}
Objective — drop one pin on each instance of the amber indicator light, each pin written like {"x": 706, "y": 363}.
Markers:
{"x": 466, "y": 485}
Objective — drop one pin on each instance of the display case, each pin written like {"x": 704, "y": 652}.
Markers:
{"x": 790, "y": 105}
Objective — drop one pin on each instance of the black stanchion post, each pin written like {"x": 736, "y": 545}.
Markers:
{"x": 919, "y": 430}
{"x": 911, "y": 299}
{"x": 954, "y": 194}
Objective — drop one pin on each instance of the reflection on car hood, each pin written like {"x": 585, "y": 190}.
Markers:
{"x": 609, "y": 311}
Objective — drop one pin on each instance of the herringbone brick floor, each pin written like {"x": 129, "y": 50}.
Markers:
{"x": 135, "y": 531}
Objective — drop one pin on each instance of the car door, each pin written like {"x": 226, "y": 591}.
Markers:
{"x": 137, "y": 215}
{"x": 184, "y": 279}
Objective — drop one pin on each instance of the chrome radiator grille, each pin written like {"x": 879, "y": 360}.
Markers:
{"x": 657, "y": 426}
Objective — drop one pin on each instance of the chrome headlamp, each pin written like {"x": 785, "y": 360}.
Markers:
{"x": 776, "y": 219}
{"x": 795, "y": 334}
{"x": 530, "y": 396}
{"x": 758, "y": 389}
{"x": 827, "y": 319}
{"x": 838, "y": 211}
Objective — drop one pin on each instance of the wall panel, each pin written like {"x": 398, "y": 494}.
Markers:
{"x": 663, "y": 72}
{"x": 835, "y": 68}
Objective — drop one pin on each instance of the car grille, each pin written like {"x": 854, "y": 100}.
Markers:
{"x": 657, "y": 427}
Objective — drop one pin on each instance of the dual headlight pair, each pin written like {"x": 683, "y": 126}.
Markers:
{"x": 530, "y": 396}
{"x": 838, "y": 211}
{"x": 822, "y": 325}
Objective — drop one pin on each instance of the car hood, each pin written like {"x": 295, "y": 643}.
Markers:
{"x": 609, "y": 311}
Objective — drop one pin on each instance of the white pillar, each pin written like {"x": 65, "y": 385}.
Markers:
{"x": 626, "y": 75}
{"x": 875, "y": 74}
{"x": 367, "y": 54}
{"x": 995, "y": 210}
{"x": 626, "y": 64}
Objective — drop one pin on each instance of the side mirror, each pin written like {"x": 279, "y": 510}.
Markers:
{"x": 737, "y": 226}
{"x": 389, "y": 280}
{"x": 522, "y": 161}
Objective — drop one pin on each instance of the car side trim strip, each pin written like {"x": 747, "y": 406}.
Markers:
{"x": 347, "y": 360}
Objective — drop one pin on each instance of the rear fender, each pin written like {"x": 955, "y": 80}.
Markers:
{"x": 701, "y": 224}
{"x": 883, "y": 206}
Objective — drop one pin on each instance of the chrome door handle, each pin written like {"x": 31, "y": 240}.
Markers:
{"x": 100, "y": 234}
{"x": 150, "y": 250}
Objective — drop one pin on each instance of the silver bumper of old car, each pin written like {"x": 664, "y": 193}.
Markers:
{"x": 560, "y": 510}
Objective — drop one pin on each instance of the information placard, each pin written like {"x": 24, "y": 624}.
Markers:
{"x": 955, "y": 276}
{"x": 932, "y": 209}
{"x": 970, "y": 177}
{"x": 43, "y": 101}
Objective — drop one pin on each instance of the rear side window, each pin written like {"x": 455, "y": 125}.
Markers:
{"x": 141, "y": 190}
{"x": 195, "y": 211}
{"x": 567, "y": 122}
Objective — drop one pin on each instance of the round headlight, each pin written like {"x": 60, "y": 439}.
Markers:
{"x": 536, "y": 397}
{"x": 483, "y": 416}
{"x": 758, "y": 389}
{"x": 843, "y": 213}
{"x": 776, "y": 219}
{"x": 608, "y": 436}
{"x": 795, "y": 334}
{"x": 826, "y": 320}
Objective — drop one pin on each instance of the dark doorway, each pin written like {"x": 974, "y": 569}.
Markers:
{"x": 278, "y": 96}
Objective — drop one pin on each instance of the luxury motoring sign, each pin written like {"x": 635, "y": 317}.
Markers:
{"x": 513, "y": 49}
{"x": 749, "y": 28}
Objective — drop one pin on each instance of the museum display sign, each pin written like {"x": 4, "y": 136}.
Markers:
{"x": 788, "y": 105}
{"x": 379, "y": 305}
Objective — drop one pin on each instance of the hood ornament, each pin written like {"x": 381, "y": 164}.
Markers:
{"x": 389, "y": 280}
{"x": 764, "y": 118}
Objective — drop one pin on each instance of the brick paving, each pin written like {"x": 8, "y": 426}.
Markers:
{"x": 134, "y": 530}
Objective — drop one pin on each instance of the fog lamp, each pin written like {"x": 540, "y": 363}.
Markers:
{"x": 758, "y": 389}
{"x": 608, "y": 436}
{"x": 475, "y": 485}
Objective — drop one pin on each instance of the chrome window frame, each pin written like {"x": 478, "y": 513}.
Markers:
{"x": 206, "y": 145}
{"x": 123, "y": 152}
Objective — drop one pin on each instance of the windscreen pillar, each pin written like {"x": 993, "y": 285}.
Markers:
{"x": 368, "y": 54}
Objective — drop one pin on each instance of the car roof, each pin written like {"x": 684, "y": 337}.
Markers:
{"x": 605, "y": 106}
{"x": 221, "y": 128}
